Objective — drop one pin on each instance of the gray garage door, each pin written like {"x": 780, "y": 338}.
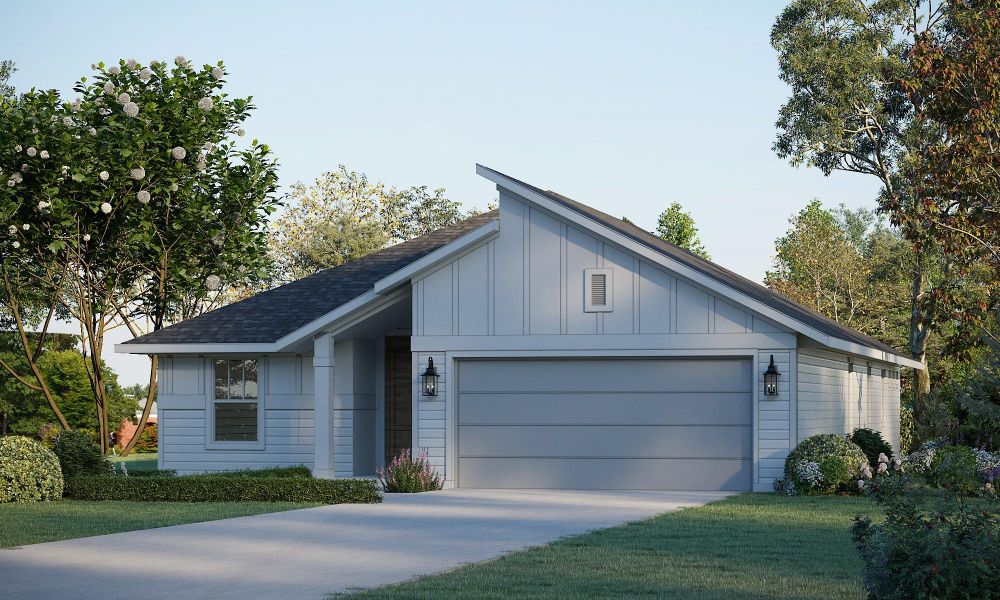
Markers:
{"x": 662, "y": 424}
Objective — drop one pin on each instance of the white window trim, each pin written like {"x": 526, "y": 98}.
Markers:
{"x": 609, "y": 282}
{"x": 210, "y": 442}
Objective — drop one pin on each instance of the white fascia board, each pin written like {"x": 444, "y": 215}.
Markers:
{"x": 369, "y": 301}
{"x": 467, "y": 241}
{"x": 686, "y": 271}
{"x": 162, "y": 349}
{"x": 874, "y": 353}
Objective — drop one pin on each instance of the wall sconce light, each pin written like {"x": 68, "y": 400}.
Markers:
{"x": 430, "y": 379}
{"x": 771, "y": 379}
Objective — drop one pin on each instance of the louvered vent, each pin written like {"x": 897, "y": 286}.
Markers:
{"x": 598, "y": 293}
{"x": 598, "y": 289}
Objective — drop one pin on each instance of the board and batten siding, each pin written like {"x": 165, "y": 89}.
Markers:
{"x": 838, "y": 394}
{"x": 530, "y": 281}
{"x": 184, "y": 399}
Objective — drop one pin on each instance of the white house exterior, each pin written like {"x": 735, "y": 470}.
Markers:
{"x": 573, "y": 350}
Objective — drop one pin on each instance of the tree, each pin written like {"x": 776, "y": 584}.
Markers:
{"x": 343, "y": 216}
{"x": 7, "y": 69}
{"x": 845, "y": 61}
{"x": 131, "y": 205}
{"x": 847, "y": 265}
{"x": 956, "y": 80}
{"x": 677, "y": 227}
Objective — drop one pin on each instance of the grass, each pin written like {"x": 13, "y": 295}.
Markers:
{"x": 135, "y": 461}
{"x": 759, "y": 546}
{"x": 32, "y": 523}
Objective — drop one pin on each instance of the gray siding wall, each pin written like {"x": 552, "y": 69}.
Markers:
{"x": 522, "y": 294}
{"x": 530, "y": 281}
{"x": 836, "y": 397}
{"x": 184, "y": 398}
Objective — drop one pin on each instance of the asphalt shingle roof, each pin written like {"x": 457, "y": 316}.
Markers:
{"x": 750, "y": 288}
{"x": 273, "y": 314}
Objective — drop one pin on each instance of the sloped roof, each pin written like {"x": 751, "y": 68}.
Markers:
{"x": 750, "y": 288}
{"x": 273, "y": 314}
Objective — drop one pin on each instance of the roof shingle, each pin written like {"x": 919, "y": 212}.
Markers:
{"x": 273, "y": 314}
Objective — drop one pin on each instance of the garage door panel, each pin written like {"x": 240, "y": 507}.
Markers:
{"x": 598, "y": 408}
{"x": 574, "y": 441}
{"x": 606, "y": 375}
{"x": 610, "y": 474}
{"x": 639, "y": 423}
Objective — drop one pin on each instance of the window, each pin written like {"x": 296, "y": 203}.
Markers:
{"x": 598, "y": 290}
{"x": 235, "y": 406}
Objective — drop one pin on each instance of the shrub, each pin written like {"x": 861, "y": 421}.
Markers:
{"x": 810, "y": 472}
{"x": 919, "y": 461}
{"x": 270, "y": 472}
{"x": 947, "y": 551}
{"x": 906, "y": 429}
{"x": 872, "y": 444}
{"x": 29, "y": 472}
{"x": 223, "y": 488}
{"x": 148, "y": 440}
{"x": 954, "y": 467}
{"x": 79, "y": 454}
{"x": 48, "y": 433}
{"x": 408, "y": 475}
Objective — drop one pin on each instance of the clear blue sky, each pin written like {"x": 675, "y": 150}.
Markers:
{"x": 626, "y": 106}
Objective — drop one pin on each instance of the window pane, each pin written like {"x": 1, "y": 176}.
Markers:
{"x": 236, "y": 422}
{"x": 250, "y": 379}
{"x": 236, "y": 379}
{"x": 221, "y": 380}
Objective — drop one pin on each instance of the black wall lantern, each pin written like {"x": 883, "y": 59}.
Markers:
{"x": 771, "y": 379}
{"x": 430, "y": 379}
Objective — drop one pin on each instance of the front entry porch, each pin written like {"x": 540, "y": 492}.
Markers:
{"x": 363, "y": 392}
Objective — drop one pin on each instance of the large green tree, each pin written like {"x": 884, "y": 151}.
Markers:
{"x": 133, "y": 204}
{"x": 848, "y": 265}
{"x": 846, "y": 62}
{"x": 677, "y": 226}
{"x": 343, "y": 216}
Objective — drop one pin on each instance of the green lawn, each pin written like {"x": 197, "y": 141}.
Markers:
{"x": 757, "y": 546}
{"x": 140, "y": 462}
{"x": 22, "y": 524}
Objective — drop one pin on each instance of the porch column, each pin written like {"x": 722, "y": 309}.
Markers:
{"x": 323, "y": 409}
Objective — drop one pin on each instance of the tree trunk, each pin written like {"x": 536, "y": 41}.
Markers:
{"x": 150, "y": 394}
{"x": 919, "y": 328}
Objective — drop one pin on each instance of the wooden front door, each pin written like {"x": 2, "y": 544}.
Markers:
{"x": 398, "y": 396}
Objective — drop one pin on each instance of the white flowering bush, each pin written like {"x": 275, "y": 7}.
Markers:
{"x": 920, "y": 460}
{"x": 824, "y": 464}
{"x": 101, "y": 187}
{"x": 809, "y": 472}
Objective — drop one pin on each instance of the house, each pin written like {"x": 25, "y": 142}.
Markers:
{"x": 572, "y": 350}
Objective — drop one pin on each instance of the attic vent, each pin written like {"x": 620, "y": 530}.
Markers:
{"x": 597, "y": 290}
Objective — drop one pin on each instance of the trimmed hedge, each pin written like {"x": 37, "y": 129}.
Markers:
{"x": 223, "y": 488}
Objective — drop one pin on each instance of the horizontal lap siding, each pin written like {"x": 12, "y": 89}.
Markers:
{"x": 429, "y": 427}
{"x": 774, "y": 430}
{"x": 833, "y": 399}
{"x": 182, "y": 416}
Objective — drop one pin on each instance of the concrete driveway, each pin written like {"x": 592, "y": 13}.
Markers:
{"x": 307, "y": 554}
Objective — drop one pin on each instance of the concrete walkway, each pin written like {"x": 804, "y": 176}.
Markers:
{"x": 307, "y": 554}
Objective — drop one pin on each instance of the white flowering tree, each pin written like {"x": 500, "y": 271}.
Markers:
{"x": 133, "y": 205}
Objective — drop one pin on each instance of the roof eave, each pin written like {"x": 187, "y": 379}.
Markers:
{"x": 674, "y": 265}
